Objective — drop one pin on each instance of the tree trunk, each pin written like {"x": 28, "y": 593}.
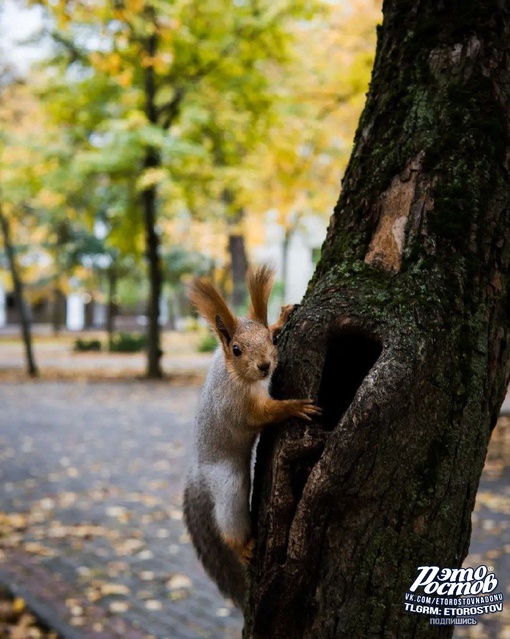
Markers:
{"x": 285, "y": 260}
{"x": 154, "y": 351}
{"x": 149, "y": 199}
{"x": 18, "y": 296}
{"x": 56, "y": 309}
{"x": 403, "y": 338}
{"x": 110, "y": 317}
{"x": 238, "y": 261}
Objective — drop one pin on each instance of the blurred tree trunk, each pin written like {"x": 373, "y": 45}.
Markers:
{"x": 149, "y": 200}
{"x": 238, "y": 260}
{"x": 154, "y": 351}
{"x": 111, "y": 307}
{"x": 24, "y": 317}
{"x": 403, "y": 337}
{"x": 162, "y": 116}
{"x": 60, "y": 254}
{"x": 57, "y": 314}
{"x": 287, "y": 234}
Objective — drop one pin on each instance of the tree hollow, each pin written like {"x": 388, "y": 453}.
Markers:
{"x": 349, "y": 358}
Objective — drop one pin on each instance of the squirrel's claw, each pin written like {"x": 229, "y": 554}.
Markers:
{"x": 305, "y": 408}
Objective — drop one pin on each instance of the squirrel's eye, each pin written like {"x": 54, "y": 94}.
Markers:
{"x": 236, "y": 350}
{"x": 275, "y": 339}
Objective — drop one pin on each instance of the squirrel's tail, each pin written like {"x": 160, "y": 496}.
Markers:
{"x": 220, "y": 562}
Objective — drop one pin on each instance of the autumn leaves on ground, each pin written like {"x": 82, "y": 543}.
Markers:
{"x": 16, "y": 622}
{"x": 91, "y": 477}
{"x": 216, "y": 115}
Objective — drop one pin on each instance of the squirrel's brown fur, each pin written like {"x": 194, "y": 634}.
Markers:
{"x": 212, "y": 307}
{"x": 233, "y": 408}
{"x": 260, "y": 283}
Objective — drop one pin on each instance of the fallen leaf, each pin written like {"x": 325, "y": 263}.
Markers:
{"x": 114, "y": 589}
{"x": 118, "y": 606}
{"x": 178, "y": 581}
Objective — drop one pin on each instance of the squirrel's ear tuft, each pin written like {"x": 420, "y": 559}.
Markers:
{"x": 213, "y": 308}
{"x": 260, "y": 283}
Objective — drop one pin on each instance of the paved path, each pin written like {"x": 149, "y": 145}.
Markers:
{"x": 91, "y": 522}
{"x": 91, "y": 480}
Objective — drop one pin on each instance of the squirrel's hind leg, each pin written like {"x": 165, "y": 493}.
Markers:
{"x": 220, "y": 562}
{"x": 244, "y": 551}
{"x": 232, "y": 511}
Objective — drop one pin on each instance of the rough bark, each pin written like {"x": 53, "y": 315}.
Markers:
{"x": 403, "y": 337}
{"x": 18, "y": 296}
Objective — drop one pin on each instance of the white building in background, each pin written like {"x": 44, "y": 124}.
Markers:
{"x": 3, "y": 306}
{"x": 303, "y": 249}
{"x": 75, "y": 316}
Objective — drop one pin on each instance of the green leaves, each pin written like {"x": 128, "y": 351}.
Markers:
{"x": 257, "y": 101}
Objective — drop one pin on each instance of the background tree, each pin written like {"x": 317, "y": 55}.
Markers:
{"x": 17, "y": 109}
{"x": 19, "y": 297}
{"x": 173, "y": 61}
{"x": 179, "y": 265}
{"x": 406, "y": 333}
{"x": 295, "y": 170}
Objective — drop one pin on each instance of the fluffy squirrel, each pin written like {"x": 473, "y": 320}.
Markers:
{"x": 234, "y": 407}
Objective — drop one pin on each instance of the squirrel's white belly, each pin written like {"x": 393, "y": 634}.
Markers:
{"x": 264, "y": 385}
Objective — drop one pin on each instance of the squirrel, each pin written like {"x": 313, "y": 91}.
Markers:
{"x": 233, "y": 409}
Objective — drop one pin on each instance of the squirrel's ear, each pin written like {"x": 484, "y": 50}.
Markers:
{"x": 222, "y": 330}
{"x": 212, "y": 307}
{"x": 260, "y": 283}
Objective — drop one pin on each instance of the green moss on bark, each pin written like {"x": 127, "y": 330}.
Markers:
{"x": 394, "y": 483}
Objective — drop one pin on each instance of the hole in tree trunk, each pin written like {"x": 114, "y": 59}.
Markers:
{"x": 349, "y": 358}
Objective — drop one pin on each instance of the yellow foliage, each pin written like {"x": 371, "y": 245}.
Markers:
{"x": 5, "y": 280}
{"x": 125, "y": 79}
{"x": 135, "y": 6}
{"x": 50, "y": 199}
{"x": 293, "y": 164}
{"x": 18, "y": 605}
{"x": 254, "y": 231}
{"x": 135, "y": 119}
{"x": 301, "y": 163}
{"x": 113, "y": 62}
{"x": 159, "y": 62}
{"x": 151, "y": 177}
{"x": 109, "y": 63}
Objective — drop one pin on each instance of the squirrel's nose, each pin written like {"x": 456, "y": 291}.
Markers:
{"x": 264, "y": 367}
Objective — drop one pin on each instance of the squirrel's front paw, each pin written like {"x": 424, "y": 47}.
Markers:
{"x": 304, "y": 408}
